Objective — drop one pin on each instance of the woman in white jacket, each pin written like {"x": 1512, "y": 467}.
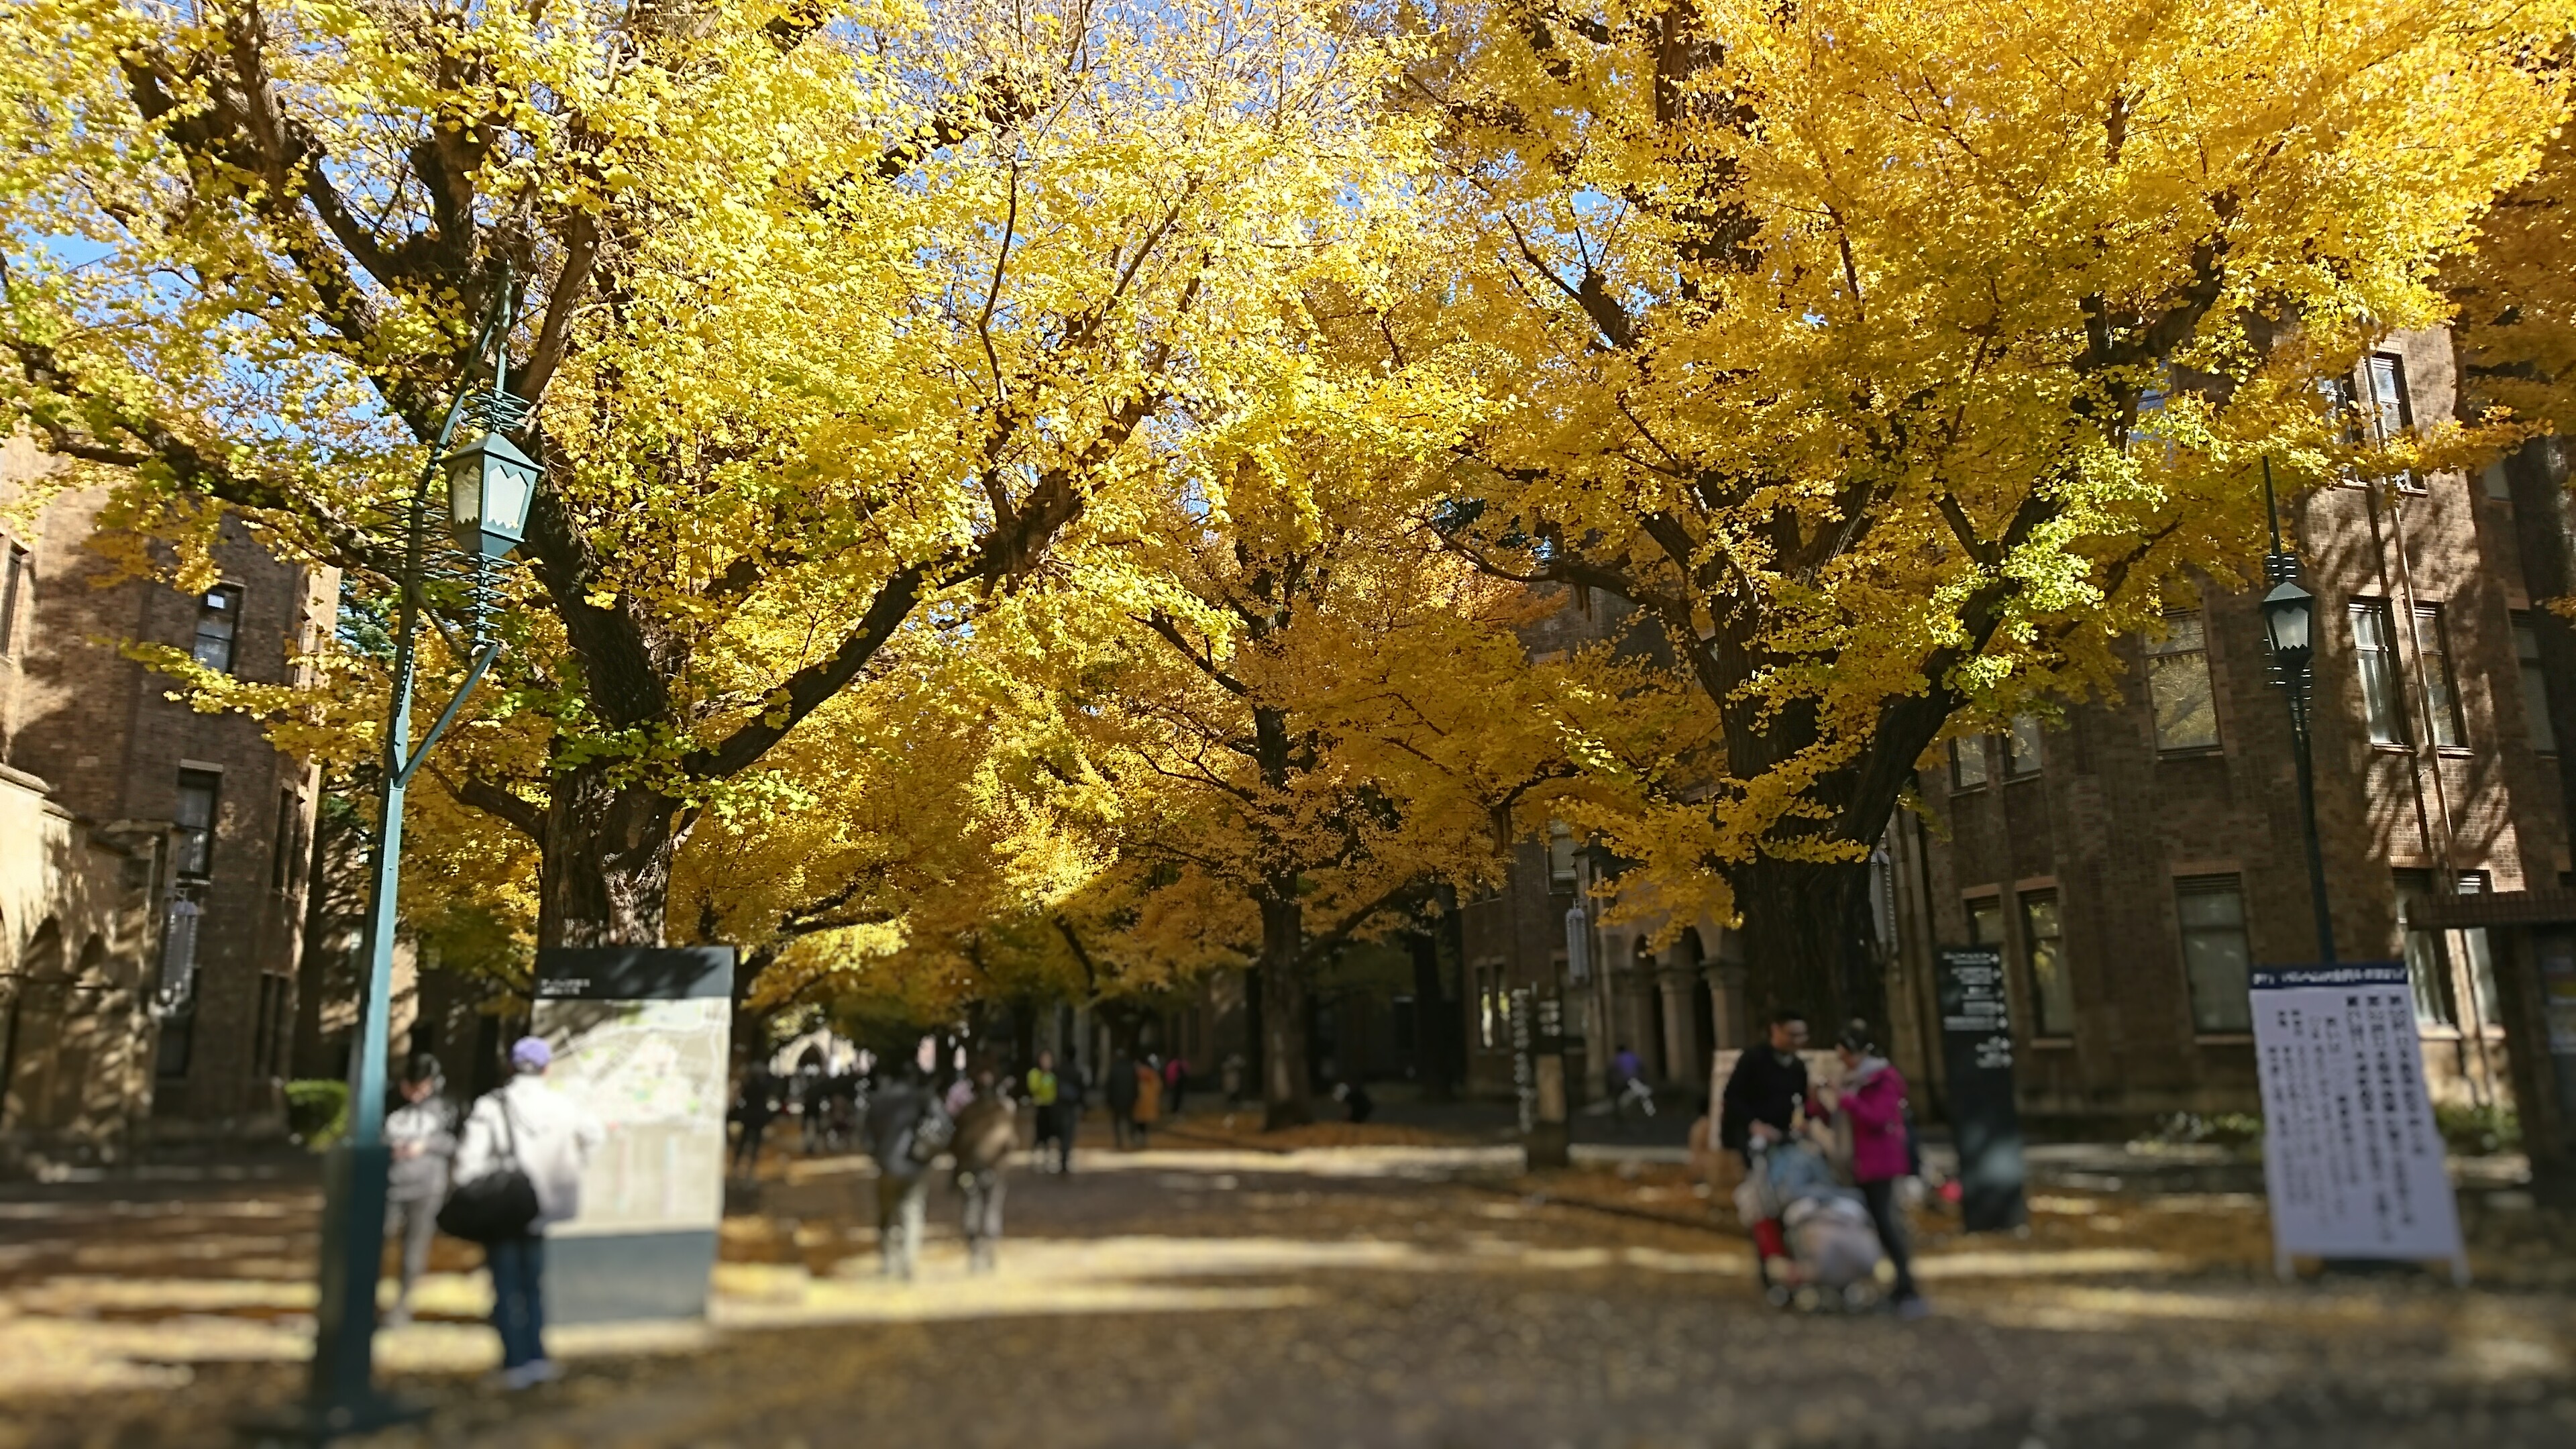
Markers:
{"x": 549, "y": 1136}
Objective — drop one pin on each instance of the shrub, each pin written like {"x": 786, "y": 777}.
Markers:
{"x": 317, "y": 1113}
{"x": 2477, "y": 1131}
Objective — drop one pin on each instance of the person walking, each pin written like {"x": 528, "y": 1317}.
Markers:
{"x": 900, "y": 1112}
{"x": 1176, "y": 1082}
{"x": 548, "y": 1136}
{"x": 987, "y": 1130}
{"x": 808, "y": 1090}
{"x": 1230, "y": 1075}
{"x": 1041, "y": 1083}
{"x": 1628, "y": 1082}
{"x": 1871, "y": 1102}
{"x": 1119, "y": 1090}
{"x": 421, "y": 1130}
{"x": 1768, "y": 1087}
{"x": 1149, "y": 1097}
{"x": 755, "y": 1109}
{"x": 1072, "y": 1093}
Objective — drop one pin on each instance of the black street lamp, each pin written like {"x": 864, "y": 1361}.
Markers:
{"x": 2289, "y": 621}
{"x": 490, "y": 485}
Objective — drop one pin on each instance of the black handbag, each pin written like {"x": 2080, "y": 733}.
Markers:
{"x": 496, "y": 1206}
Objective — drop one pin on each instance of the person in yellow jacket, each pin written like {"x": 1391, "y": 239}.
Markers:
{"x": 1044, "y": 1093}
{"x": 1149, "y": 1096}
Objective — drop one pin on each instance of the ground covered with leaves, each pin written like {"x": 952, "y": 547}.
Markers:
{"x": 1345, "y": 1296}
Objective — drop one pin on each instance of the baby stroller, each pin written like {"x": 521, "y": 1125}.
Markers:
{"x": 1813, "y": 1242}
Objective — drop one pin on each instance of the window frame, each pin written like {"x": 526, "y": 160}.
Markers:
{"x": 2162, "y": 654}
{"x": 2377, "y": 406}
{"x": 1563, "y": 850}
{"x": 1991, "y": 906}
{"x": 2441, "y": 677}
{"x": 2534, "y": 677}
{"x": 2042, "y": 1026}
{"x": 283, "y": 850}
{"x": 2428, "y": 976}
{"x": 1961, "y": 747}
{"x": 204, "y": 869}
{"x": 2189, "y": 887}
{"x": 230, "y": 613}
{"x": 2018, "y": 763}
{"x": 17, "y": 567}
{"x": 2399, "y": 731}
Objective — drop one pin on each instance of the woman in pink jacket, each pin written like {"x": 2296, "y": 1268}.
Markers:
{"x": 1872, "y": 1103}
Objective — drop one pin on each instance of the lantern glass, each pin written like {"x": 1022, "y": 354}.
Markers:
{"x": 2289, "y": 617}
{"x": 490, "y": 485}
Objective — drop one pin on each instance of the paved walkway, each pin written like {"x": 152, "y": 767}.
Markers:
{"x": 1398, "y": 1297}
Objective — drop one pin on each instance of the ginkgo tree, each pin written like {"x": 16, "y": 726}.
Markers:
{"x": 1312, "y": 712}
{"x": 837, "y": 317}
{"x": 1893, "y": 357}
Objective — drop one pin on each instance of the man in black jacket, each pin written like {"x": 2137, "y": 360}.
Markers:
{"x": 1768, "y": 1085}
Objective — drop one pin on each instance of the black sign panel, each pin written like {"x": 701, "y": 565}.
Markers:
{"x": 634, "y": 973}
{"x": 1976, "y": 1038}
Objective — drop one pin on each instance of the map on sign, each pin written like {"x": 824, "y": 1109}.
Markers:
{"x": 654, "y": 1072}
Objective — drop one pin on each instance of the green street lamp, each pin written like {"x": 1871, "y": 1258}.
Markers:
{"x": 490, "y": 486}
{"x": 2289, "y": 623}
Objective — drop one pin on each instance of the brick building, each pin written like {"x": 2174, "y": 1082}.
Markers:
{"x": 2136, "y": 858}
{"x": 188, "y": 962}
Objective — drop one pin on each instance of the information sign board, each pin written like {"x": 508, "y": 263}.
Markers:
{"x": 2351, "y": 1156}
{"x": 641, "y": 1038}
{"x": 1977, "y": 1050}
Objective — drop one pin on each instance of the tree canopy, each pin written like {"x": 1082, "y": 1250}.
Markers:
{"x": 1054, "y": 499}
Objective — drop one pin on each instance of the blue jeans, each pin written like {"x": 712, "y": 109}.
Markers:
{"x": 518, "y": 1297}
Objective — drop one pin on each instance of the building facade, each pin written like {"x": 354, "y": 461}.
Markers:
{"x": 182, "y": 975}
{"x": 2137, "y": 857}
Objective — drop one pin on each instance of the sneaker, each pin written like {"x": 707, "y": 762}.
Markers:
{"x": 1913, "y": 1306}
{"x": 540, "y": 1371}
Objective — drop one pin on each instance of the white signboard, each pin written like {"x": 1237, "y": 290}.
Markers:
{"x": 2351, "y": 1156}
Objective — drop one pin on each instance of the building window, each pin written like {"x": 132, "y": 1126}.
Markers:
{"x": 2442, "y": 687}
{"x": 2428, "y": 965}
{"x": 2374, "y": 652}
{"x": 1489, "y": 1006}
{"x": 2385, "y": 405}
{"x": 2043, "y": 944}
{"x": 2021, "y": 746}
{"x": 283, "y": 850}
{"x": 1968, "y": 762}
{"x": 2481, "y": 959}
{"x": 2499, "y": 483}
{"x": 2535, "y": 686}
{"x": 198, "y": 792}
{"x": 2178, "y": 686}
{"x": 12, "y": 585}
{"x": 1561, "y": 846}
{"x": 218, "y": 628}
{"x": 2216, "y": 960}
{"x": 1986, "y": 921}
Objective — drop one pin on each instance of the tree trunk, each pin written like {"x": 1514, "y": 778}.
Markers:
{"x": 606, "y": 876}
{"x": 1807, "y": 942}
{"x": 1287, "y": 1096}
{"x": 1431, "y": 1014}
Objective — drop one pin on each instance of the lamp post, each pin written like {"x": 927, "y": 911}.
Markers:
{"x": 2289, "y": 622}
{"x": 490, "y": 485}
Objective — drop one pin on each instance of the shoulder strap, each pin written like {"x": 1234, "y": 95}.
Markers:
{"x": 509, "y": 1127}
